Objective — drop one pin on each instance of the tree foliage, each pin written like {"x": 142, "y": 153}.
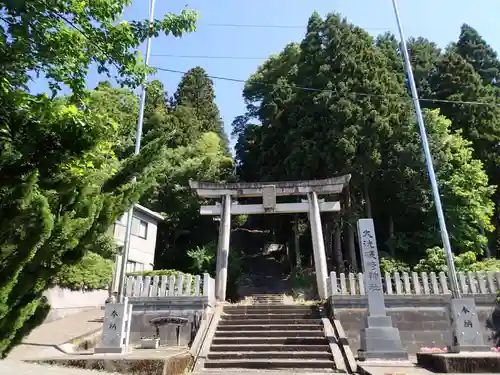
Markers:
{"x": 62, "y": 183}
{"x": 60, "y": 40}
{"x": 196, "y": 92}
{"x": 338, "y": 103}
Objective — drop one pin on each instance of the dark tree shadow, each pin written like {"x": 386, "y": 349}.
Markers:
{"x": 493, "y": 323}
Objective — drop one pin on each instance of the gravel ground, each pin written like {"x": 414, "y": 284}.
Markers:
{"x": 12, "y": 367}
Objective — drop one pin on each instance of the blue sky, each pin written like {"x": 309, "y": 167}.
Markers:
{"x": 438, "y": 20}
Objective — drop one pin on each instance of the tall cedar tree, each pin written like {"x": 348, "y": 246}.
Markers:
{"x": 356, "y": 118}
{"x": 196, "y": 91}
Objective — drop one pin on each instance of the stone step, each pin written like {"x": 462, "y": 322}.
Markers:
{"x": 262, "y": 321}
{"x": 271, "y": 327}
{"x": 270, "y": 316}
{"x": 270, "y": 363}
{"x": 270, "y": 305}
{"x": 301, "y": 340}
{"x": 248, "y": 371}
{"x": 323, "y": 355}
{"x": 276, "y": 333}
{"x": 267, "y": 299}
{"x": 256, "y": 309}
{"x": 324, "y": 348}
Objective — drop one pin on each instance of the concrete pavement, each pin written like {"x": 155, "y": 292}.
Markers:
{"x": 44, "y": 340}
{"x": 11, "y": 367}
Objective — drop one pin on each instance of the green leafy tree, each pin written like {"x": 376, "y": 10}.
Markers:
{"x": 183, "y": 228}
{"x": 456, "y": 80}
{"x": 466, "y": 193}
{"x": 122, "y": 106}
{"x": 62, "y": 184}
{"x": 60, "y": 40}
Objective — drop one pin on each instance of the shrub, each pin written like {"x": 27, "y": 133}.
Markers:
{"x": 92, "y": 272}
{"x": 203, "y": 258}
{"x": 392, "y": 265}
{"x": 435, "y": 261}
{"x": 493, "y": 322}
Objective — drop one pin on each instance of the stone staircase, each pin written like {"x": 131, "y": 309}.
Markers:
{"x": 269, "y": 335}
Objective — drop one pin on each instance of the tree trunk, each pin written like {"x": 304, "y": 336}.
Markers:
{"x": 327, "y": 237}
{"x": 392, "y": 250}
{"x": 288, "y": 262}
{"x": 349, "y": 230}
{"x": 496, "y": 233}
{"x": 337, "y": 247}
{"x": 366, "y": 196}
{"x": 296, "y": 243}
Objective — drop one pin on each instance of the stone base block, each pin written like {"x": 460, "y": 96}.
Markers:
{"x": 122, "y": 350}
{"x": 464, "y": 362}
{"x": 380, "y": 340}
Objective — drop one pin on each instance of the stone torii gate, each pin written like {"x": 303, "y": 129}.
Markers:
{"x": 229, "y": 193}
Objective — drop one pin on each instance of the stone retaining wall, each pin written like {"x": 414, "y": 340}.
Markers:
{"x": 146, "y": 308}
{"x": 64, "y": 302}
{"x": 422, "y": 321}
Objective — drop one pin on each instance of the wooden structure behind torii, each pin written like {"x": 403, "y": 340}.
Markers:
{"x": 228, "y": 192}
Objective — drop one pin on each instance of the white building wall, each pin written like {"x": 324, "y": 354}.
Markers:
{"x": 142, "y": 250}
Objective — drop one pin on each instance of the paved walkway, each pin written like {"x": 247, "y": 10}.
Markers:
{"x": 43, "y": 340}
{"x": 9, "y": 367}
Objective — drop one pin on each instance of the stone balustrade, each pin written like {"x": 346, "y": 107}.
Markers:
{"x": 414, "y": 283}
{"x": 171, "y": 286}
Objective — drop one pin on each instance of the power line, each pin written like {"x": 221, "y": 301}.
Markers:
{"x": 209, "y": 57}
{"x": 263, "y": 26}
{"x": 310, "y": 89}
{"x": 222, "y": 57}
{"x": 293, "y": 86}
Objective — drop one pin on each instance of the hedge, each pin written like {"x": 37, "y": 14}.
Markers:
{"x": 92, "y": 272}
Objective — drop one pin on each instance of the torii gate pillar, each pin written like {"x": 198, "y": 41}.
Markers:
{"x": 318, "y": 244}
{"x": 223, "y": 249}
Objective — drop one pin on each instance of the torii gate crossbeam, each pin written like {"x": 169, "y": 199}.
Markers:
{"x": 269, "y": 191}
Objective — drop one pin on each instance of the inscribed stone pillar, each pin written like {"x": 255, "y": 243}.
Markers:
{"x": 223, "y": 249}
{"x": 378, "y": 339}
{"x": 318, "y": 244}
{"x": 115, "y": 328}
{"x": 466, "y": 328}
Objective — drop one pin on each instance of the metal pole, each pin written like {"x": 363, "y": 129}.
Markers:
{"x": 138, "y": 136}
{"x": 455, "y": 290}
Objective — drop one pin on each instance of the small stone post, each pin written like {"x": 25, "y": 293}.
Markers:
{"x": 115, "y": 328}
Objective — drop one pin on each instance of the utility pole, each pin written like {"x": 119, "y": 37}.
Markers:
{"x": 138, "y": 136}
{"x": 465, "y": 326}
{"x": 455, "y": 290}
